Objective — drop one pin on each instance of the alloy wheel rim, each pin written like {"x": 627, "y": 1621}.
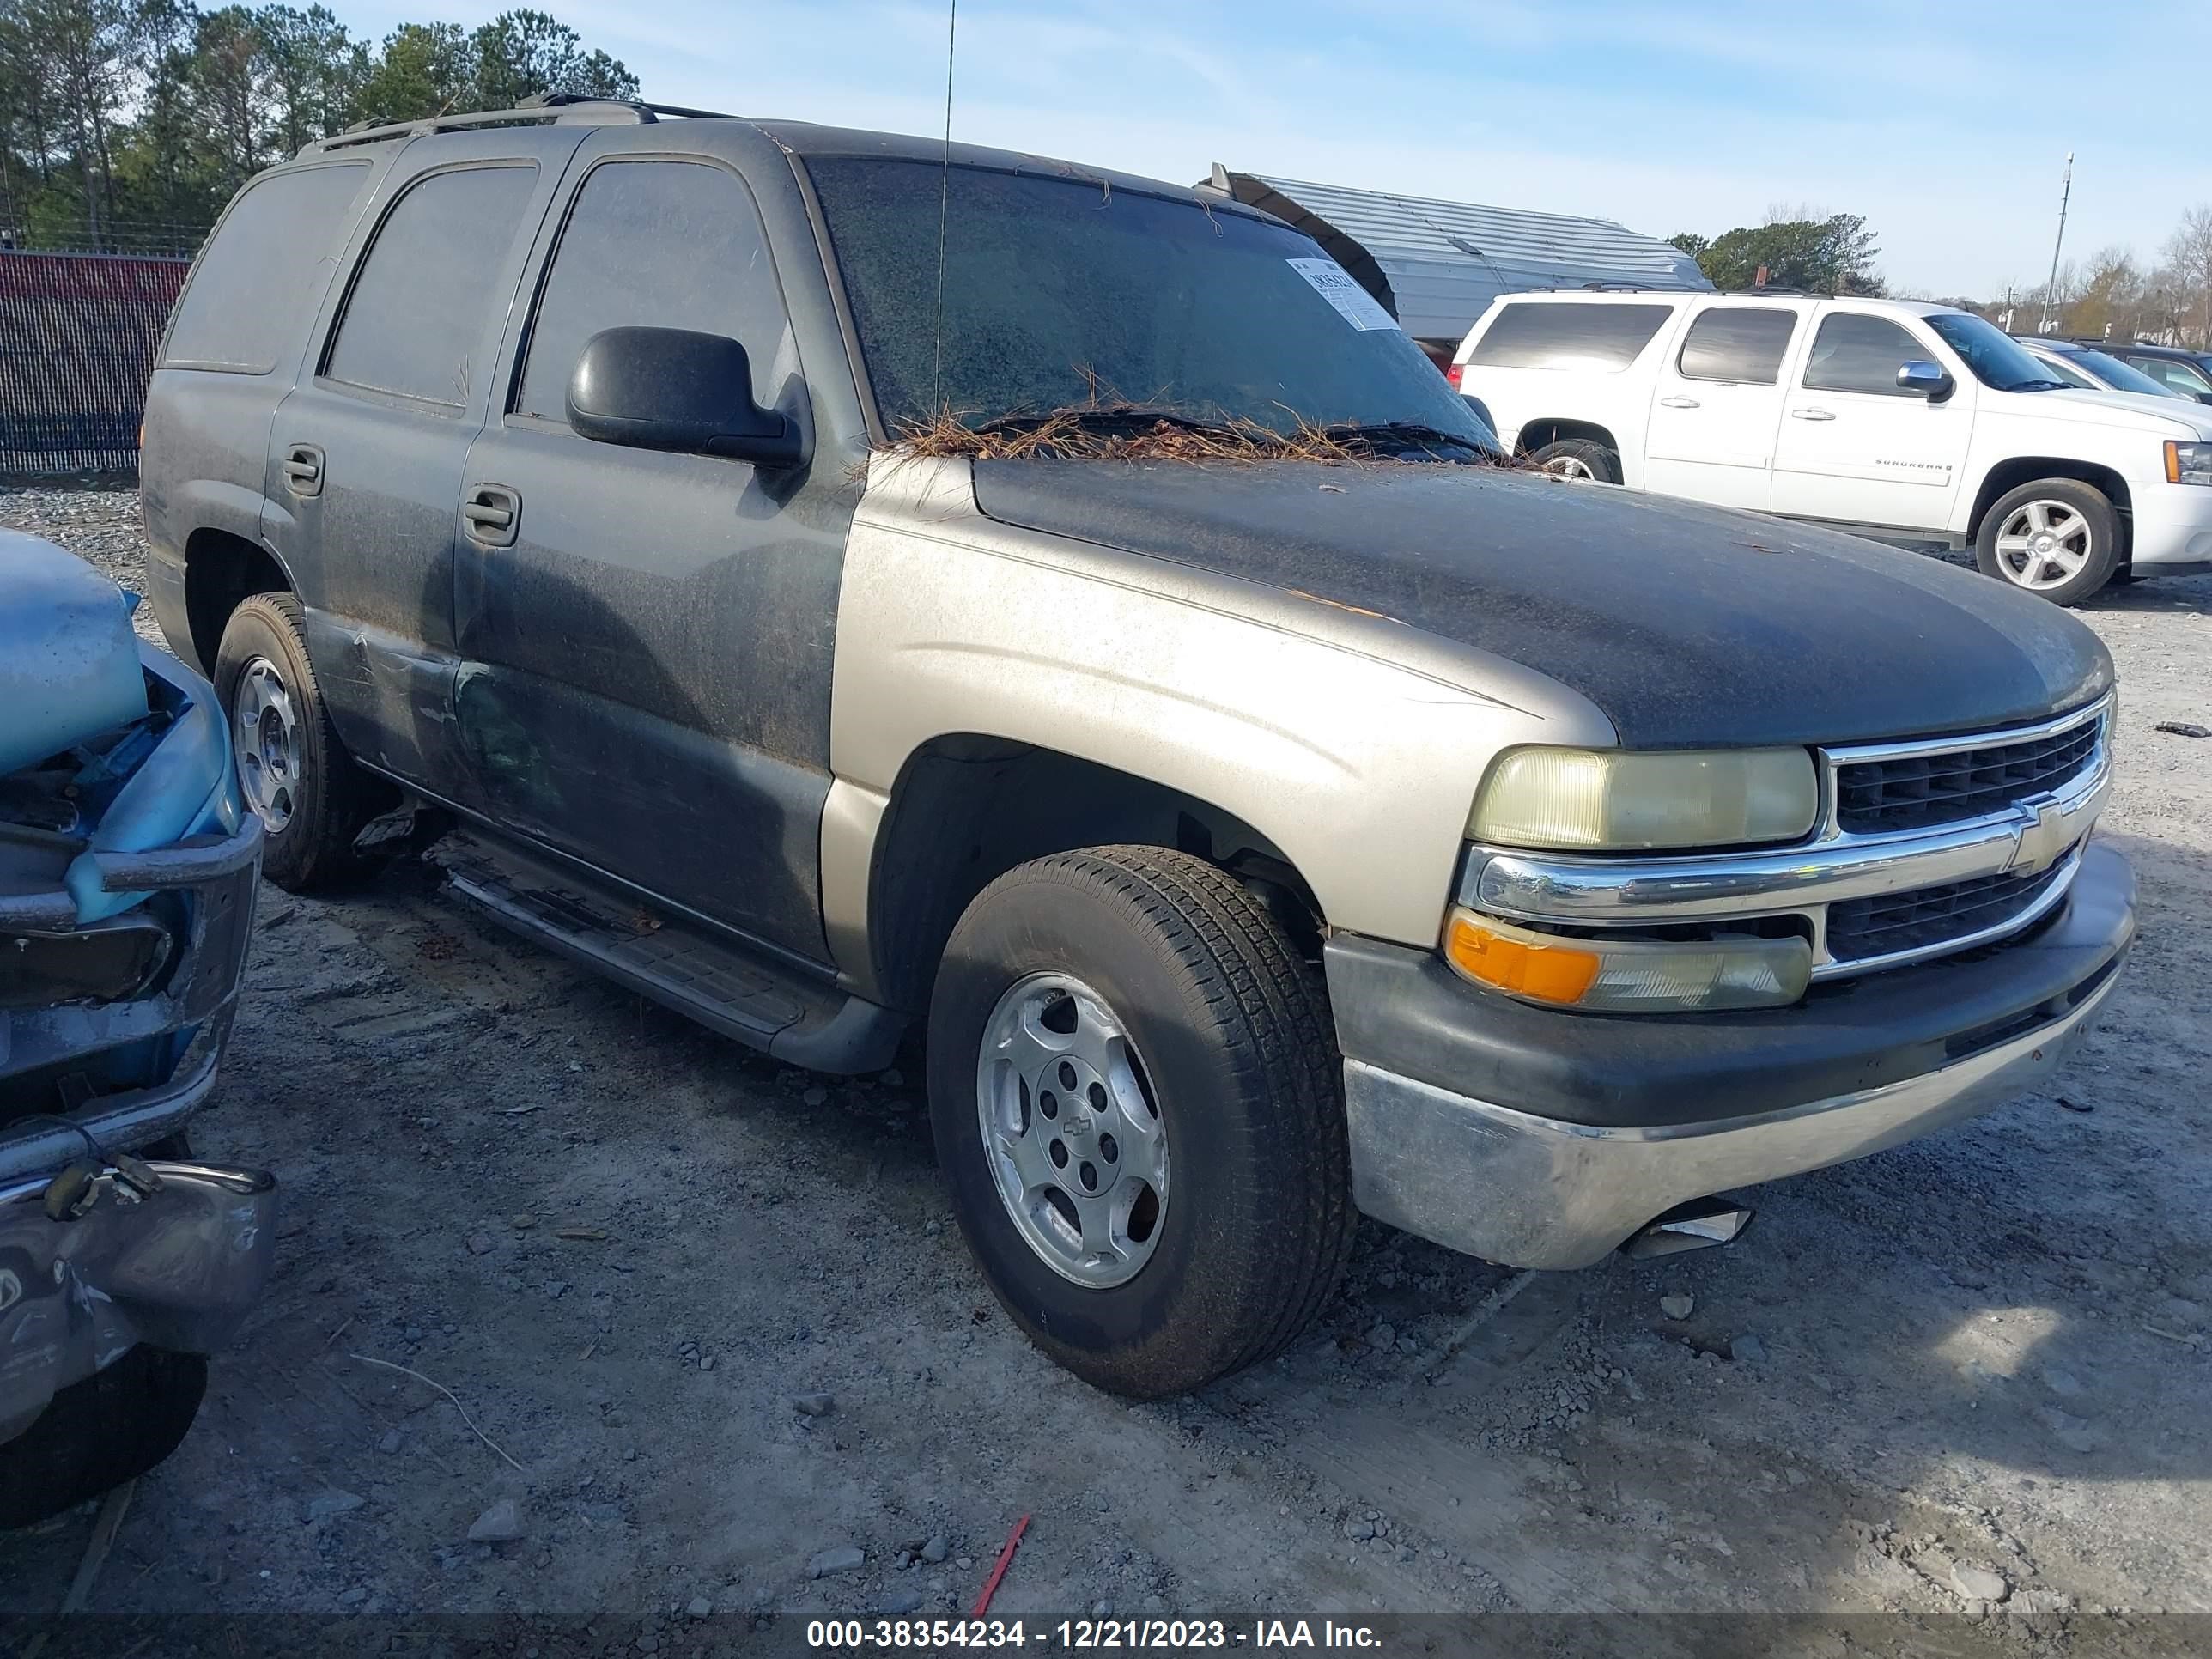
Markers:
{"x": 2043, "y": 545}
{"x": 1072, "y": 1130}
{"x": 264, "y": 735}
{"x": 1570, "y": 466}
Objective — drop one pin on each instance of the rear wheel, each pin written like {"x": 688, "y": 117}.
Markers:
{"x": 2057, "y": 538}
{"x": 1584, "y": 458}
{"x": 295, "y": 776}
{"x": 1136, "y": 1098}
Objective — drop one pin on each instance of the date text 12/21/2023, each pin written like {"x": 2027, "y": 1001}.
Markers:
{"x": 1086, "y": 1635}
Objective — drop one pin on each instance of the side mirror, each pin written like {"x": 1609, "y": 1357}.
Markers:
{"x": 674, "y": 388}
{"x": 1925, "y": 380}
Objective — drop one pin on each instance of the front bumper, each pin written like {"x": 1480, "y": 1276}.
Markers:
{"x": 178, "y": 1268}
{"x": 2170, "y": 529}
{"x": 1542, "y": 1139}
{"x": 130, "y": 1073}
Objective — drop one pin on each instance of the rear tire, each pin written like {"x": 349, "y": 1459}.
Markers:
{"x": 96, "y": 1434}
{"x": 1227, "y": 1096}
{"x": 1584, "y": 458}
{"x": 297, "y": 777}
{"x": 2057, "y": 538}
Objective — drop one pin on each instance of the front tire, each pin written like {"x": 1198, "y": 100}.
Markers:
{"x": 295, "y": 774}
{"x": 96, "y": 1434}
{"x": 2057, "y": 538}
{"x": 1182, "y": 1208}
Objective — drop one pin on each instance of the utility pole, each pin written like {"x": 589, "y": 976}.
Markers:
{"x": 2051, "y": 288}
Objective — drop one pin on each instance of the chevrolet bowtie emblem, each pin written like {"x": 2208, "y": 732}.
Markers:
{"x": 2040, "y": 844}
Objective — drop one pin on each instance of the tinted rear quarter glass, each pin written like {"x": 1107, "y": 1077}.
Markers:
{"x": 1741, "y": 343}
{"x": 256, "y": 283}
{"x": 1539, "y": 334}
{"x": 1854, "y": 352}
{"x": 663, "y": 245}
{"x": 420, "y": 304}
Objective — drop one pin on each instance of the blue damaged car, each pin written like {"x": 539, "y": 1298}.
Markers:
{"x": 127, "y": 875}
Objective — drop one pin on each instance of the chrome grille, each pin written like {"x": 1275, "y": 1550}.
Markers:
{"x": 1919, "y": 791}
{"x": 1861, "y": 930}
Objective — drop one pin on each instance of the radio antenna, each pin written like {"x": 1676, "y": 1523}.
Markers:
{"x": 943, "y": 198}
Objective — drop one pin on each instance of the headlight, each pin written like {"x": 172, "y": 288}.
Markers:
{"x": 2188, "y": 463}
{"x": 1590, "y": 800}
{"x": 1627, "y": 976}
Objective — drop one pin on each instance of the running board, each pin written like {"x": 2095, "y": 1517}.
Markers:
{"x": 721, "y": 984}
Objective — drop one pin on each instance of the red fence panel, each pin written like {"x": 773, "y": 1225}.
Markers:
{"x": 78, "y": 334}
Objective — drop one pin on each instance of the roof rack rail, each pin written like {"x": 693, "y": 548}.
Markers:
{"x": 571, "y": 100}
{"x": 1613, "y": 288}
{"x": 540, "y": 109}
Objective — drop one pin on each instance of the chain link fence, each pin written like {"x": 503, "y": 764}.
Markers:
{"x": 78, "y": 334}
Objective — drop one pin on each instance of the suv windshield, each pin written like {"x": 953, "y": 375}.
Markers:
{"x": 1996, "y": 357}
{"x": 1065, "y": 292}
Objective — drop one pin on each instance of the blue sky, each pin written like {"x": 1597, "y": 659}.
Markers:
{"x": 1946, "y": 123}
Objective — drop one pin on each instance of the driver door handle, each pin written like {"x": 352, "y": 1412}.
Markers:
{"x": 1812, "y": 414}
{"x": 493, "y": 513}
{"x": 1680, "y": 403}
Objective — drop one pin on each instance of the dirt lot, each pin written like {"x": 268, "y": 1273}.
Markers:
{"x": 626, "y": 1247}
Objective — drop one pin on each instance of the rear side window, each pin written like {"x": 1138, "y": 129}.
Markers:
{"x": 419, "y": 308}
{"x": 2173, "y": 373}
{"x": 1854, "y": 352}
{"x": 259, "y": 281}
{"x": 663, "y": 245}
{"x": 1742, "y": 344}
{"x": 1533, "y": 334}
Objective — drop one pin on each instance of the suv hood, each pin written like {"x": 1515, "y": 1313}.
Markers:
{"x": 2125, "y": 411}
{"x": 68, "y": 662}
{"x": 106, "y": 744}
{"x": 1687, "y": 625}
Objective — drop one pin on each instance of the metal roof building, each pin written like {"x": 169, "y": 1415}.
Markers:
{"x": 1436, "y": 264}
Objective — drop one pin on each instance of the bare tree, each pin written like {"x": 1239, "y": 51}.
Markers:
{"x": 2189, "y": 264}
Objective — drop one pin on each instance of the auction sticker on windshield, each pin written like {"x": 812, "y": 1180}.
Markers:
{"x": 1335, "y": 284}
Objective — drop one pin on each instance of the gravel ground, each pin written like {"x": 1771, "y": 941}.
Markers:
{"x": 637, "y": 1255}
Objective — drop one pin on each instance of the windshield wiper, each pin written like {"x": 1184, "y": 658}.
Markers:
{"x": 1407, "y": 435}
{"x": 2044, "y": 385}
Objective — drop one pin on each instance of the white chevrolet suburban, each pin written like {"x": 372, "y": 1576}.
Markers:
{"x": 1899, "y": 421}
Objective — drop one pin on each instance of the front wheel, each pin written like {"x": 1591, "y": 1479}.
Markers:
{"x": 100, "y": 1431}
{"x": 294, "y": 772}
{"x": 2057, "y": 538}
{"x": 1136, "y": 1098}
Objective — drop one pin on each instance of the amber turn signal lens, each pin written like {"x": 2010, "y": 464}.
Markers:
{"x": 1544, "y": 972}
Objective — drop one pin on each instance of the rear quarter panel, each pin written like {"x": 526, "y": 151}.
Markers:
{"x": 1618, "y": 400}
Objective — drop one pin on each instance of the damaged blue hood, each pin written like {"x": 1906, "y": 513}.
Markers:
{"x": 106, "y": 744}
{"x": 69, "y": 662}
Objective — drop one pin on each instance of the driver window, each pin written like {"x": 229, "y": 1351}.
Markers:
{"x": 1855, "y": 352}
{"x": 658, "y": 244}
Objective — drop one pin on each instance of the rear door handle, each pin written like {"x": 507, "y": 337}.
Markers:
{"x": 1680, "y": 403}
{"x": 1812, "y": 414}
{"x": 493, "y": 512}
{"x": 303, "y": 469}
